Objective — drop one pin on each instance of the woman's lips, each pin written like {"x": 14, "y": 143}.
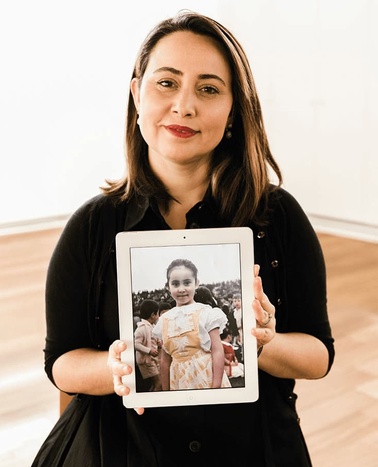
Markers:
{"x": 181, "y": 131}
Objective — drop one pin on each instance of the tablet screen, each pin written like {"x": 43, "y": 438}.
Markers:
{"x": 185, "y": 312}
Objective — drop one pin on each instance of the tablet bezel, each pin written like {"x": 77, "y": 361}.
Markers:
{"x": 239, "y": 237}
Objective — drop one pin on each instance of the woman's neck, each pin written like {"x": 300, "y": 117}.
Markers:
{"x": 175, "y": 217}
{"x": 187, "y": 186}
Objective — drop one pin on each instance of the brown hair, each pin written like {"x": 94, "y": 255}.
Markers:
{"x": 181, "y": 262}
{"x": 239, "y": 174}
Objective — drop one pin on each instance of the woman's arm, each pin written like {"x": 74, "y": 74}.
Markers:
{"x": 93, "y": 372}
{"x": 295, "y": 355}
{"x": 84, "y": 371}
{"x": 290, "y": 355}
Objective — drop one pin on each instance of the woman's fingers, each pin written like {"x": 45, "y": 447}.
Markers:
{"x": 118, "y": 368}
{"x": 259, "y": 293}
{"x": 115, "y": 363}
{"x": 266, "y": 324}
{"x": 264, "y": 312}
{"x": 116, "y": 349}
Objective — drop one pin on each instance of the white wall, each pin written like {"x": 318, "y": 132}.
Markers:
{"x": 63, "y": 97}
{"x": 316, "y": 67}
{"x": 65, "y": 71}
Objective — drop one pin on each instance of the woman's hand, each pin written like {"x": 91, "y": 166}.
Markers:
{"x": 289, "y": 355}
{"x": 120, "y": 369}
{"x": 264, "y": 312}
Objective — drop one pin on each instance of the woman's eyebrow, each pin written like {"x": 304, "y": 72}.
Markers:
{"x": 170, "y": 69}
{"x": 211, "y": 76}
{"x": 180, "y": 73}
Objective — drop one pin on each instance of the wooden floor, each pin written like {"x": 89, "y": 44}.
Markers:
{"x": 339, "y": 414}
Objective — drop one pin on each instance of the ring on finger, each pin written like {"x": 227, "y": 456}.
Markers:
{"x": 270, "y": 316}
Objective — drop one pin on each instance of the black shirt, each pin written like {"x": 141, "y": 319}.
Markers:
{"x": 82, "y": 311}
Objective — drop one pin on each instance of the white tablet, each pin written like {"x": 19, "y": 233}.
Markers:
{"x": 204, "y": 352}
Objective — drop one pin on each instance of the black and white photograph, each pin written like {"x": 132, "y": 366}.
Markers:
{"x": 194, "y": 344}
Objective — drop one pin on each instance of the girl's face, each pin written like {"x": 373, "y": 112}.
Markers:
{"x": 184, "y": 99}
{"x": 182, "y": 285}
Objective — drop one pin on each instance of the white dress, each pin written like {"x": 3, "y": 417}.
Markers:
{"x": 184, "y": 332}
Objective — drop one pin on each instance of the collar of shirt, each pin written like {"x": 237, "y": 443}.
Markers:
{"x": 143, "y": 214}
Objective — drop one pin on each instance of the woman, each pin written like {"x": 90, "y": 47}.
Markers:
{"x": 197, "y": 157}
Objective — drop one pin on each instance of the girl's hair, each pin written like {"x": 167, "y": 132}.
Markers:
{"x": 182, "y": 262}
{"x": 239, "y": 174}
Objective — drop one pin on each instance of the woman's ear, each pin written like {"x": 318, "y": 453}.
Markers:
{"x": 230, "y": 119}
{"x": 135, "y": 91}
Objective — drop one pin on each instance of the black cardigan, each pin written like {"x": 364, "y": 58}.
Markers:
{"x": 82, "y": 311}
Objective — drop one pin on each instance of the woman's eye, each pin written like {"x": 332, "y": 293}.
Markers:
{"x": 209, "y": 90}
{"x": 165, "y": 83}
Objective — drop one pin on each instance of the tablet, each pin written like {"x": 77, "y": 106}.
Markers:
{"x": 174, "y": 266}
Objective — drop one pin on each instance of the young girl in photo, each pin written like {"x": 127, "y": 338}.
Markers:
{"x": 192, "y": 354}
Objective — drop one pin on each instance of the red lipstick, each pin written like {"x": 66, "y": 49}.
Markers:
{"x": 181, "y": 131}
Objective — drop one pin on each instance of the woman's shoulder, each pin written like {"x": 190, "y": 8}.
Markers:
{"x": 280, "y": 197}
{"x": 289, "y": 226}
{"x": 93, "y": 223}
{"x": 98, "y": 210}
{"x": 285, "y": 210}
{"x": 96, "y": 205}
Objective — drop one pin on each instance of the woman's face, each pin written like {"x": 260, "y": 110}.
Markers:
{"x": 182, "y": 285}
{"x": 184, "y": 99}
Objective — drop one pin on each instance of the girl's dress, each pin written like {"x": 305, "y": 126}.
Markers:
{"x": 184, "y": 331}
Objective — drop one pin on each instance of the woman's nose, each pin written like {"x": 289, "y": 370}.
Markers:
{"x": 184, "y": 103}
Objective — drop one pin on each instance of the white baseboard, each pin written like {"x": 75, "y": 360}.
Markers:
{"x": 354, "y": 230}
{"x": 341, "y": 228}
{"x": 33, "y": 225}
